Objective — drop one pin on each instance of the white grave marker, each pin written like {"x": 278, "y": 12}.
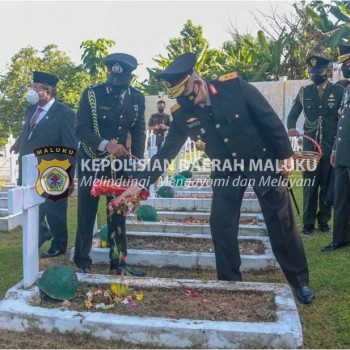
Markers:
{"x": 26, "y": 199}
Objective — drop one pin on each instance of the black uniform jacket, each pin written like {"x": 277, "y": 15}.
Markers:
{"x": 342, "y": 143}
{"x": 314, "y": 107}
{"x": 242, "y": 128}
{"x": 56, "y": 128}
{"x": 113, "y": 122}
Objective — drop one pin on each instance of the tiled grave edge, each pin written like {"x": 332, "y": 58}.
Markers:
{"x": 17, "y": 314}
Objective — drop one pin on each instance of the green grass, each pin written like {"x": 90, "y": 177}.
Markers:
{"x": 326, "y": 322}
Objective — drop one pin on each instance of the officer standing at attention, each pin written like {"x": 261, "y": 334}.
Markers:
{"x": 159, "y": 123}
{"x": 340, "y": 160}
{"x": 233, "y": 122}
{"x": 107, "y": 113}
{"x": 320, "y": 102}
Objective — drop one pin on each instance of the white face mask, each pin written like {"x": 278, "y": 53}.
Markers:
{"x": 32, "y": 97}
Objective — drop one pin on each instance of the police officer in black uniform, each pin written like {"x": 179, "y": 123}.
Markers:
{"x": 320, "y": 102}
{"x": 340, "y": 160}
{"x": 232, "y": 122}
{"x": 106, "y": 113}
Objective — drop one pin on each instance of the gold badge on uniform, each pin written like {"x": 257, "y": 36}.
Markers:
{"x": 313, "y": 62}
{"x": 200, "y": 145}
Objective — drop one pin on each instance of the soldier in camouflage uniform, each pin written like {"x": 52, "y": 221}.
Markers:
{"x": 319, "y": 102}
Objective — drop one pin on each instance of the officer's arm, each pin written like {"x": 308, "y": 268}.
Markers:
{"x": 267, "y": 120}
{"x": 67, "y": 132}
{"x": 159, "y": 162}
{"x": 138, "y": 136}
{"x": 294, "y": 113}
{"x": 84, "y": 131}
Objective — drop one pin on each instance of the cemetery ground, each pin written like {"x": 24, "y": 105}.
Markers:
{"x": 326, "y": 322}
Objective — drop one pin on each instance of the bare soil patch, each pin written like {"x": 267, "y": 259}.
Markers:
{"x": 249, "y": 247}
{"x": 178, "y": 303}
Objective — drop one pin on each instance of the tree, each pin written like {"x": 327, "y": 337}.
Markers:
{"x": 15, "y": 83}
{"x": 93, "y": 56}
{"x": 326, "y": 24}
{"x": 190, "y": 40}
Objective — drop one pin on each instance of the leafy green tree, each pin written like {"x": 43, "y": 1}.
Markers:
{"x": 17, "y": 80}
{"x": 94, "y": 54}
{"x": 325, "y": 24}
{"x": 190, "y": 40}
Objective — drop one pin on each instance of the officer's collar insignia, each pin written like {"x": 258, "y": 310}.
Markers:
{"x": 313, "y": 62}
{"x": 191, "y": 120}
{"x": 174, "y": 108}
{"x": 212, "y": 89}
{"x": 117, "y": 68}
{"x": 228, "y": 76}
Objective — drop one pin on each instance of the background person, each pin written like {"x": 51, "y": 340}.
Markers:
{"x": 340, "y": 160}
{"x": 48, "y": 122}
{"x": 231, "y": 120}
{"x": 159, "y": 123}
{"x": 320, "y": 102}
{"x": 107, "y": 113}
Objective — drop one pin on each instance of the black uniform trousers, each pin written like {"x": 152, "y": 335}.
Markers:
{"x": 56, "y": 216}
{"x": 281, "y": 226}
{"x": 341, "y": 224}
{"x": 314, "y": 193}
{"x": 87, "y": 210}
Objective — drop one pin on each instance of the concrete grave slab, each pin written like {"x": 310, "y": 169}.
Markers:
{"x": 17, "y": 314}
{"x": 183, "y": 259}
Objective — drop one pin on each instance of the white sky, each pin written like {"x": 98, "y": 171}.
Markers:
{"x": 140, "y": 28}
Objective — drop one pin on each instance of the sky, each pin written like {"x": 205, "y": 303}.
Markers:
{"x": 140, "y": 28}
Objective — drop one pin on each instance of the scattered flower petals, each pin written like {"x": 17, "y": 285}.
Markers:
{"x": 205, "y": 300}
{"x": 188, "y": 293}
{"x": 139, "y": 297}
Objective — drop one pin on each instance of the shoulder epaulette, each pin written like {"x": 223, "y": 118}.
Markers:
{"x": 228, "y": 76}
{"x": 136, "y": 89}
{"x": 174, "y": 108}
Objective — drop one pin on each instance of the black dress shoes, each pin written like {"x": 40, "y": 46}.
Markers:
{"x": 125, "y": 270}
{"x": 334, "y": 246}
{"x": 324, "y": 228}
{"x": 305, "y": 295}
{"x": 85, "y": 269}
{"x": 51, "y": 253}
{"x": 307, "y": 229}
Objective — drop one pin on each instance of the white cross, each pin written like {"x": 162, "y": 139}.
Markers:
{"x": 26, "y": 199}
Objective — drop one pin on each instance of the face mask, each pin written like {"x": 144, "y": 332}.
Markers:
{"x": 32, "y": 97}
{"x": 345, "y": 70}
{"x": 187, "y": 102}
{"x": 319, "y": 79}
{"x": 160, "y": 110}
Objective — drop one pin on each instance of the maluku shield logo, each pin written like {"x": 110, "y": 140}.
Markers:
{"x": 54, "y": 180}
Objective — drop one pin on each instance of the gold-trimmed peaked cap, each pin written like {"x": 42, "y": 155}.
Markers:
{"x": 343, "y": 51}
{"x": 317, "y": 64}
{"x": 175, "y": 76}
